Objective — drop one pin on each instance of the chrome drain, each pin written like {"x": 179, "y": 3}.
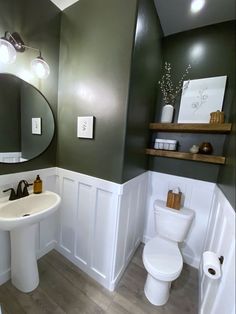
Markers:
{"x": 25, "y": 215}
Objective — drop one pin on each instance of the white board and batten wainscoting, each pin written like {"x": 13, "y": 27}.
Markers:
{"x": 100, "y": 224}
{"x": 98, "y": 227}
{"x": 218, "y": 296}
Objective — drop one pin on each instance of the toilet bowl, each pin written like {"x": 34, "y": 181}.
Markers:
{"x": 161, "y": 255}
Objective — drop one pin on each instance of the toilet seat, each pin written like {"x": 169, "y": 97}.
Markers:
{"x": 162, "y": 259}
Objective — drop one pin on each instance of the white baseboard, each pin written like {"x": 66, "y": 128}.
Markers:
{"x": 102, "y": 280}
{"x": 4, "y": 277}
{"x": 114, "y": 282}
{"x": 189, "y": 260}
{"x": 49, "y": 247}
{"x": 146, "y": 239}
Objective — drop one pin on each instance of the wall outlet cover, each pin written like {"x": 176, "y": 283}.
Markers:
{"x": 85, "y": 127}
{"x": 36, "y": 126}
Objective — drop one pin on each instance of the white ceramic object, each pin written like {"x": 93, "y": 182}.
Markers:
{"x": 194, "y": 149}
{"x": 167, "y": 114}
{"x": 20, "y": 217}
{"x": 161, "y": 255}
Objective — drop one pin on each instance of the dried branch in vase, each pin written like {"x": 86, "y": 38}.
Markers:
{"x": 169, "y": 91}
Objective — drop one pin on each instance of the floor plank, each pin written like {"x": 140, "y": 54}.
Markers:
{"x": 66, "y": 289}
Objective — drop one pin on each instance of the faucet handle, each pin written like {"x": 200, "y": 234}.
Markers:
{"x": 25, "y": 191}
{"x": 13, "y": 195}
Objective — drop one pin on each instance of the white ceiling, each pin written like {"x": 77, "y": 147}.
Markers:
{"x": 175, "y": 15}
{"x": 63, "y": 4}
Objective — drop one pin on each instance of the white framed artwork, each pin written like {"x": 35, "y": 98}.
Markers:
{"x": 85, "y": 127}
{"x": 200, "y": 98}
{"x": 36, "y": 126}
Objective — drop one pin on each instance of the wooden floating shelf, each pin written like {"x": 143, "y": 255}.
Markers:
{"x": 186, "y": 156}
{"x": 191, "y": 127}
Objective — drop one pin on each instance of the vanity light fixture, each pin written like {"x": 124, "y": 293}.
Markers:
{"x": 40, "y": 67}
{"x": 12, "y": 43}
{"x": 197, "y": 5}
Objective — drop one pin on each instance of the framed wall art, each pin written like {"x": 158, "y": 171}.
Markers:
{"x": 200, "y": 98}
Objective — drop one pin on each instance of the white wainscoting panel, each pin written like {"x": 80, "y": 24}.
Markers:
{"x": 85, "y": 203}
{"x": 130, "y": 223}
{"x": 68, "y": 214}
{"x": 197, "y": 195}
{"x": 101, "y": 223}
{"x": 218, "y": 296}
{"x": 47, "y": 229}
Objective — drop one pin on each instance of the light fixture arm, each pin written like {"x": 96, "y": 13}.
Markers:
{"x": 32, "y": 48}
{"x": 15, "y": 40}
{"x": 18, "y": 43}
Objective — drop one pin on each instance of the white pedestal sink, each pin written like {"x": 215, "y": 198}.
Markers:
{"x": 20, "y": 217}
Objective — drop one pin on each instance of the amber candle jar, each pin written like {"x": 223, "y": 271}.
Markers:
{"x": 205, "y": 148}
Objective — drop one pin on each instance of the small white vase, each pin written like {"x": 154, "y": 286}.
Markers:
{"x": 167, "y": 114}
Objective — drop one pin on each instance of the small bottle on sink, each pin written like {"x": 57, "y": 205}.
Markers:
{"x": 38, "y": 184}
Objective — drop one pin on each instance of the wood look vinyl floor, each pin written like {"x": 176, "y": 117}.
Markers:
{"x": 64, "y": 289}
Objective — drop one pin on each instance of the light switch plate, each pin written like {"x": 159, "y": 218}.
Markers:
{"x": 36, "y": 126}
{"x": 85, "y": 127}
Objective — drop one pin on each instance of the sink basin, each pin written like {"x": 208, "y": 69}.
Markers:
{"x": 27, "y": 210}
{"x": 20, "y": 217}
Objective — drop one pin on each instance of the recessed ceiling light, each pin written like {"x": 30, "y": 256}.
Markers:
{"x": 197, "y": 5}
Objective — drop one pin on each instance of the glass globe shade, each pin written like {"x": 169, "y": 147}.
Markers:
{"x": 7, "y": 52}
{"x": 40, "y": 68}
{"x": 197, "y": 5}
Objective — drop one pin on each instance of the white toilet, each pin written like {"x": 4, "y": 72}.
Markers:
{"x": 161, "y": 255}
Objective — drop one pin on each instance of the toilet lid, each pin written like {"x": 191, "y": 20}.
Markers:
{"x": 162, "y": 259}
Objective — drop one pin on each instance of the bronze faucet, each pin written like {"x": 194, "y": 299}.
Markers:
{"x": 12, "y": 196}
{"x": 19, "y": 191}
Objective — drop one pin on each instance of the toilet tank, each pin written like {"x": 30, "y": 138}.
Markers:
{"x": 171, "y": 223}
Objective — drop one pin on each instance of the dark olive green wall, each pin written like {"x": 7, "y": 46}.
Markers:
{"x": 145, "y": 70}
{"x": 34, "y": 105}
{"x": 216, "y": 57}
{"x": 9, "y": 114}
{"x": 95, "y": 57}
{"x": 39, "y": 26}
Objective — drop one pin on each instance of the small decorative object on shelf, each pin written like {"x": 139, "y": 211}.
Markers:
{"x": 194, "y": 149}
{"x": 217, "y": 117}
{"x": 205, "y": 148}
{"x": 170, "y": 92}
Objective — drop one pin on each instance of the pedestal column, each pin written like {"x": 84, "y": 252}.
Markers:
{"x": 24, "y": 268}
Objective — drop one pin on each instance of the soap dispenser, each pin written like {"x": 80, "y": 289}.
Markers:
{"x": 38, "y": 185}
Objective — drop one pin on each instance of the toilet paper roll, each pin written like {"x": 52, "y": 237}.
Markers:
{"x": 211, "y": 265}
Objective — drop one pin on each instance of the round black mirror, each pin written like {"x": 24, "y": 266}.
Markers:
{"x": 26, "y": 120}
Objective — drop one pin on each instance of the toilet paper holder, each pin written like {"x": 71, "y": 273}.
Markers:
{"x": 221, "y": 259}
{"x": 212, "y": 271}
